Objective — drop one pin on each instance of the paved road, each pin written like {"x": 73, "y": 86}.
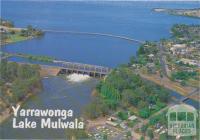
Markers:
{"x": 96, "y": 34}
{"x": 162, "y": 59}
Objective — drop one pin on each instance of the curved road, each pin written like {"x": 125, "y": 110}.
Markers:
{"x": 97, "y": 34}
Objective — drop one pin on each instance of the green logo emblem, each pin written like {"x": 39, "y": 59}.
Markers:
{"x": 182, "y": 120}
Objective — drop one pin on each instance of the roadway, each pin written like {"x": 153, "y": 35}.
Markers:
{"x": 96, "y": 34}
{"x": 162, "y": 58}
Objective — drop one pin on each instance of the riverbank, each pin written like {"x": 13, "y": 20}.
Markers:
{"x": 167, "y": 83}
{"x": 18, "y": 83}
{"x": 9, "y": 112}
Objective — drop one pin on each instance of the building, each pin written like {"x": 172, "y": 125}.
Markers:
{"x": 190, "y": 62}
{"x": 111, "y": 123}
{"x": 132, "y": 118}
{"x": 178, "y": 49}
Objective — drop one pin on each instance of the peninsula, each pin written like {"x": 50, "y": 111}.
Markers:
{"x": 10, "y": 34}
{"x": 195, "y": 13}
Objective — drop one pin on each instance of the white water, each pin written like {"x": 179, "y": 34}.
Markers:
{"x": 77, "y": 77}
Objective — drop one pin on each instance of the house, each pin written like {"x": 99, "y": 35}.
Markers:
{"x": 151, "y": 55}
{"x": 111, "y": 123}
{"x": 151, "y": 68}
{"x": 178, "y": 49}
{"x": 123, "y": 125}
{"x": 132, "y": 118}
{"x": 3, "y": 30}
{"x": 112, "y": 119}
{"x": 189, "y": 61}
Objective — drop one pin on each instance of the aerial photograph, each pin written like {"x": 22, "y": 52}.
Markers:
{"x": 100, "y": 69}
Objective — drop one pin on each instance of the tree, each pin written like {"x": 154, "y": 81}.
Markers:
{"x": 129, "y": 134}
{"x": 143, "y": 128}
{"x": 24, "y": 33}
{"x": 19, "y": 89}
{"x": 123, "y": 115}
{"x": 105, "y": 137}
{"x": 29, "y": 28}
{"x": 3, "y": 70}
{"x": 127, "y": 97}
{"x": 150, "y": 134}
{"x": 183, "y": 83}
{"x": 12, "y": 71}
{"x": 142, "y": 104}
{"x": 131, "y": 124}
{"x": 92, "y": 111}
{"x": 133, "y": 60}
{"x": 163, "y": 137}
{"x": 142, "y": 138}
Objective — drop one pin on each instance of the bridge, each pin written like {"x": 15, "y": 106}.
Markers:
{"x": 96, "y": 34}
{"x": 188, "y": 96}
{"x": 194, "y": 92}
{"x": 80, "y": 68}
{"x": 69, "y": 67}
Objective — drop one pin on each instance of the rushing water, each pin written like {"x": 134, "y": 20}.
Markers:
{"x": 131, "y": 19}
{"x": 57, "y": 94}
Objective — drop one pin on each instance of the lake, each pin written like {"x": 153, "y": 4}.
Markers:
{"x": 131, "y": 19}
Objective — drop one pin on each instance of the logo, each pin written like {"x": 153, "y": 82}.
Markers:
{"x": 182, "y": 120}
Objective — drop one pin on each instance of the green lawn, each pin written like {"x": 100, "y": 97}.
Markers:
{"x": 16, "y": 38}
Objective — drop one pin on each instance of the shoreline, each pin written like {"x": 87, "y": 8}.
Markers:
{"x": 7, "y": 43}
{"x": 5, "y": 115}
{"x": 17, "y": 37}
{"x": 178, "y": 12}
{"x": 184, "y": 91}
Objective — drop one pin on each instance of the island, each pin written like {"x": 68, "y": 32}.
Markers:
{"x": 195, "y": 13}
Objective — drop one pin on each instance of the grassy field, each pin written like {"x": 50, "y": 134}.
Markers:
{"x": 16, "y": 38}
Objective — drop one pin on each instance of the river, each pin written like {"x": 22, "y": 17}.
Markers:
{"x": 131, "y": 19}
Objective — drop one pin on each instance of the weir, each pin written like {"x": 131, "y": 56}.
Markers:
{"x": 65, "y": 67}
{"x": 91, "y": 70}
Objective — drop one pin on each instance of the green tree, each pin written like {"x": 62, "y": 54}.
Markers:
{"x": 3, "y": 70}
{"x": 143, "y": 129}
{"x": 105, "y": 137}
{"x": 123, "y": 115}
{"x": 150, "y": 134}
{"x": 142, "y": 138}
{"x": 163, "y": 137}
{"x": 12, "y": 68}
{"x": 144, "y": 113}
{"x": 133, "y": 60}
{"x": 92, "y": 111}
